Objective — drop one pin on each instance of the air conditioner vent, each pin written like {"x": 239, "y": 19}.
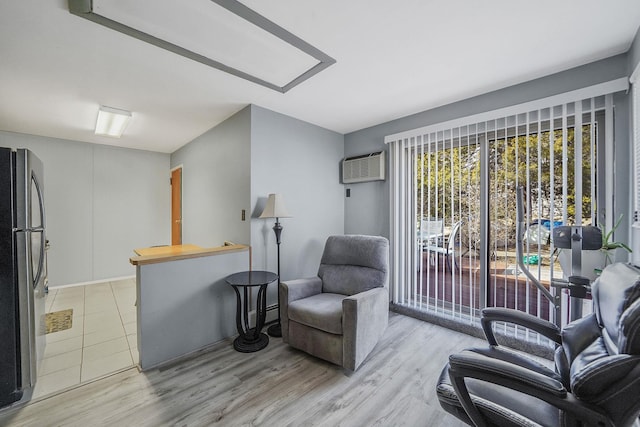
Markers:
{"x": 368, "y": 167}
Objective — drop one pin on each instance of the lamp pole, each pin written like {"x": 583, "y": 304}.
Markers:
{"x": 275, "y": 209}
{"x": 275, "y": 330}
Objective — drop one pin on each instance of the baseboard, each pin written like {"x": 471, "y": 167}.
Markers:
{"x": 93, "y": 282}
{"x": 272, "y": 315}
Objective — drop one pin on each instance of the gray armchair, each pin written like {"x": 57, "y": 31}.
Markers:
{"x": 340, "y": 315}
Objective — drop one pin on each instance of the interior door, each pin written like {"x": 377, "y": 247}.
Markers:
{"x": 176, "y": 206}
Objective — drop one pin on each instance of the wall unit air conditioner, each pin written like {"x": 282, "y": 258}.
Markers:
{"x": 368, "y": 167}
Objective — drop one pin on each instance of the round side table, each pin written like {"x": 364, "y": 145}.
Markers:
{"x": 250, "y": 339}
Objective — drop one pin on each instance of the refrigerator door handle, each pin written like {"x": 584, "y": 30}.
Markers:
{"x": 40, "y": 228}
{"x": 40, "y": 270}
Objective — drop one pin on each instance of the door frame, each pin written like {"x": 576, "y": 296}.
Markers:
{"x": 175, "y": 188}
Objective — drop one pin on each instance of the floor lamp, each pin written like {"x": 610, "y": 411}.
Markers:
{"x": 275, "y": 209}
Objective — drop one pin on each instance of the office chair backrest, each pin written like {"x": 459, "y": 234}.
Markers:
{"x": 615, "y": 296}
{"x": 603, "y": 349}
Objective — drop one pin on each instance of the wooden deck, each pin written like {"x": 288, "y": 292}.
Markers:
{"x": 463, "y": 284}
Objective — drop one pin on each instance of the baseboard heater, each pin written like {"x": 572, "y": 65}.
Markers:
{"x": 272, "y": 315}
{"x": 364, "y": 168}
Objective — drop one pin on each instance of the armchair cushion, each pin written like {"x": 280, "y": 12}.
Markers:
{"x": 349, "y": 279}
{"x": 352, "y": 264}
{"x": 322, "y": 311}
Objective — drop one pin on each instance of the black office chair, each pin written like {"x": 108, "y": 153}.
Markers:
{"x": 596, "y": 381}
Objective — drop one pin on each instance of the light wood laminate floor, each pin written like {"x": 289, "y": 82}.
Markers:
{"x": 278, "y": 386}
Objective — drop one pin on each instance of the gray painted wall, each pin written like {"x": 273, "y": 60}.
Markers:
{"x": 302, "y": 162}
{"x": 236, "y": 165}
{"x": 367, "y": 210}
{"x": 101, "y": 202}
{"x": 216, "y": 183}
{"x": 185, "y": 305}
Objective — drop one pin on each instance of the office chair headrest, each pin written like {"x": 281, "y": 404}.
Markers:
{"x": 616, "y": 296}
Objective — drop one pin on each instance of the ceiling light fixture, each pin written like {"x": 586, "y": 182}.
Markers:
{"x": 87, "y": 10}
{"x": 112, "y": 121}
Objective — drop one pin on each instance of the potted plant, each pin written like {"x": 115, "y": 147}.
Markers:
{"x": 593, "y": 262}
{"x": 609, "y": 247}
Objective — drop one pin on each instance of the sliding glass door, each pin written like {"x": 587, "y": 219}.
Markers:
{"x": 556, "y": 165}
{"x": 454, "y": 207}
{"x": 447, "y": 200}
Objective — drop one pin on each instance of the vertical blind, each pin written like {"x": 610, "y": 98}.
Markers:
{"x": 452, "y": 212}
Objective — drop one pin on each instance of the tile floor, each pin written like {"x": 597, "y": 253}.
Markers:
{"x": 102, "y": 340}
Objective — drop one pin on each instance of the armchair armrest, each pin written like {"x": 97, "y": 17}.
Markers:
{"x": 497, "y": 314}
{"x": 300, "y": 288}
{"x": 365, "y": 317}
{"x": 468, "y": 364}
{"x": 293, "y": 290}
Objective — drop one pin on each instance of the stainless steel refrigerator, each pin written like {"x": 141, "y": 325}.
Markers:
{"x": 22, "y": 273}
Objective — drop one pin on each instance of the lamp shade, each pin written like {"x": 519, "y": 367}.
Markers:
{"x": 275, "y": 208}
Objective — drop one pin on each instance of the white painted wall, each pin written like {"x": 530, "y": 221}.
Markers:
{"x": 101, "y": 202}
{"x": 302, "y": 162}
{"x": 216, "y": 183}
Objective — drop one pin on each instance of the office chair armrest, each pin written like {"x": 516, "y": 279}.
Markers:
{"x": 479, "y": 366}
{"x": 468, "y": 364}
{"x": 498, "y": 314}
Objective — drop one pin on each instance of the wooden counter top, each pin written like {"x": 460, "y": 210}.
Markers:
{"x": 177, "y": 252}
{"x": 166, "y": 250}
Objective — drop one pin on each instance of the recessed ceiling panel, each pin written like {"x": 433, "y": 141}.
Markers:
{"x": 224, "y": 34}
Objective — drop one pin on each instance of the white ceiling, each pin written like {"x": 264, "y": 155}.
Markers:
{"x": 393, "y": 59}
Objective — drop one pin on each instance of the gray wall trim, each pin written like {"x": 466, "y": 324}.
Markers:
{"x": 84, "y": 9}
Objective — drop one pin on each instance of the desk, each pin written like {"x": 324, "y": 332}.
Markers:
{"x": 251, "y": 339}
